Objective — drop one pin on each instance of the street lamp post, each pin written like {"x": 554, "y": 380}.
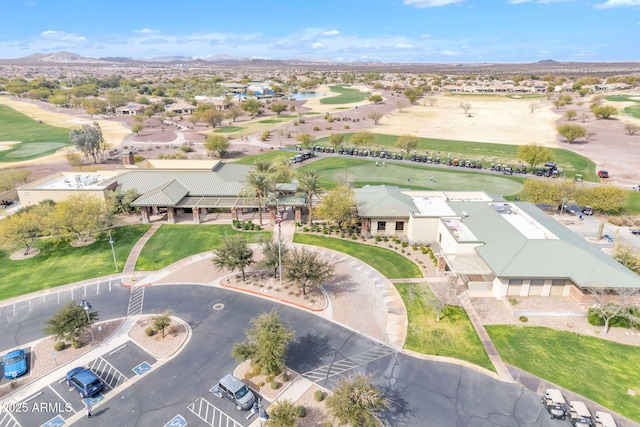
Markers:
{"x": 85, "y": 304}
{"x": 279, "y": 219}
{"x": 115, "y": 263}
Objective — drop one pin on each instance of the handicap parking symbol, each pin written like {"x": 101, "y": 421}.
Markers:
{"x": 177, "y": 421}
{"x": 56, "y": 421}
{"x": 93, "y": 401}
{"x": 142, "y": 368}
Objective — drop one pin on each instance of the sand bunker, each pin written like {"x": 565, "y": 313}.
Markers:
{"x": 6, "y": 145}
{"x": 494, "y": 119}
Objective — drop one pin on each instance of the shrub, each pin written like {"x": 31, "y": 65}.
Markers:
{"x": 59, "y": 346}
{"x": 523, "y": 319}
{"x": 329, "y": 128}
{"x": 305, "y": 229}
{"x": 268, "y": 378}
{"x": 378, "y": 238}
{"x": 285, "y": 377}
{"x": 275, "y": 385}
{"x": 347, "y": 127}
{"x": 257, "y": 227}
{"x": 316, "y": 128}
{"x": 77, "y": 344}
{"x": 148, "y": 331}
{"x": 404, "y": 244}
{"x": 187, "y": 148}
{"x": 318, "y": 395}
{"x": 302, "y": 411}
{"x": 354, "y": 237}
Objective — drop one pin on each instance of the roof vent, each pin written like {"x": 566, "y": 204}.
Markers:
{"x": 465, "y": 214}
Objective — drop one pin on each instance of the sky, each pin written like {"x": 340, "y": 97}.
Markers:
{"x": 425, "y": 31}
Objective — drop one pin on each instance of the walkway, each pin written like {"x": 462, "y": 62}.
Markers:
{"x": 130, "y": 264}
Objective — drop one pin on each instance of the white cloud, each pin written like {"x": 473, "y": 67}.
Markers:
{"x": 62, "y": 36}
{"x": 317, "y": 45}
{"x": 425, "y": 36}
{"x": 421, "y": 4}
{"x": 146, "y": 31}
{"x": 331, "y": 33}
{"x": 617, "y": 3}
{"x": 404, "y": 46}
{"x": 450, "y": 53}
{"x": 539, "y": 1}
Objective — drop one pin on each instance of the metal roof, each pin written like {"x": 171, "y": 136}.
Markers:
{"x": 383, "y": 202}
{"x": 165, "y": 195}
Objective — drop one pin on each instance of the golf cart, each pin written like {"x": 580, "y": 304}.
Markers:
{"x": 555, "y": 404}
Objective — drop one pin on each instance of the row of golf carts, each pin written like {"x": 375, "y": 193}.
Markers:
{"x": 576, "y": 411}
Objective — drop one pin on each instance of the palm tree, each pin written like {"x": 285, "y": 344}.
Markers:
{"x": 309, "y": 185}
{"x": 259, "y": 184}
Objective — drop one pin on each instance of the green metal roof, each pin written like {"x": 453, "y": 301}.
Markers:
{"x": 511, "y": 254}
{"x": 168, "y": 194}
{"x": 383, "y": 202}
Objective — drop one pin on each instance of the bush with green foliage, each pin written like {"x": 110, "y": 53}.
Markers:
{"x": 619, "y": 321}
{"x": 187, "y": 148}
{"x": 318, "y": 395}
{"x": 302, "y": 411}
{"x": 275, "y": 385}
{"x": 77, "y": 344}
{"x": 523, "y": 319}
{"x": 59, "y": 346}
{"x": 148, "y": 331}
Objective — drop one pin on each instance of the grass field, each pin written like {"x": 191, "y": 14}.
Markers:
{"x": 172, "y": 243}
{"x": 60, "y": 263}
{"x": 273, "y": 155}
{"x": 347, "y": 96}
{"x": 389, "y": 263}
{"x": 597, "y": 369}
{"x": 37, "y": 139}
{"x": 630, "y": 111}
{"x": 414, "y": 175}
{"x": 229, "y": 129}
{"x": 570, "y": 162}
{"x": 453, "y": 336}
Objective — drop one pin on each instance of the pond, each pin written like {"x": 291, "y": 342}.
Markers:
{"x": 304, "y": 95}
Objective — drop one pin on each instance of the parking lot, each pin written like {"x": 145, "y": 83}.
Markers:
{"x": 55, "y": 403}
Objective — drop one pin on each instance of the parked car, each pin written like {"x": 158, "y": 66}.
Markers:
{"x": 14, "y": 364}
{"x": 555, "y": 404}
{"x": 236, "y": 391}
{"x": 579, "y": 415}
{"x": 604, "y": 419}
{"x": 84, "y": 381}
{"x": 607, "y": 238}
{"x": 603, "y": 173}
{"x": 635, "y": 232}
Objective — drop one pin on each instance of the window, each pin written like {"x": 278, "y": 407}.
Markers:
{"x": 515, "y": 281}
{"x": 537, "y": 281}
{"x": 557, "y": 282}
{"x": 382, "y": 225}
{"x": 399, "y": 226}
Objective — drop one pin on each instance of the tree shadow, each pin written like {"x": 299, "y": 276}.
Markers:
{"x": 340, "y": 285}
{"x": 399, "y": 411}
{"x": 306, "y": 353}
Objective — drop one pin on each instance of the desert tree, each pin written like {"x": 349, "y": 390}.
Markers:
{"x": 430, "y": 101}
{"x": 412, "y": 94}
{"x": 570, "y": 114}
{"x": 407, "y": 142}
{"x": 627, "y": 256}
{"x": 251, "y": 106}
{"x": 631, "y": 128}
{"x": 356, "y": 401}
{"x": 68, "y": 323}
{"x": 217, "y": 143}
{"x": 136, "y": 128}
{"x": 338, "y": 207}
{"x": 571, "y": 132}
{"x": 606, "y": 198}
{"x": 278, "y": 108}
{"x": 534, "y": 154}
{"x": 80, "y": 216}
{"x": 266, "y": 344}
{"x": 534, "y": 106}
{"x": 610, "y": 303}
{"x": 9, "y": 178}
{"x": 375, "y": 116}
{"x": 362, "y": 139}
{"x": 283, "y": 413}
{"x": 26, "y": 226}
{"x": 120, "y": 201}
{"x": 336, "y": 140}
{"x": 74, "y": 158}
{"x": 465, "y": 107}
{"x": 161, "y": 321}
{"x": 233, "y": 113}
{"x": 604, "y": 111}
{"x": 538, "y": 191}
{"x": 305, "y": 139}
{"x": 376, "y": 99}
{"x": 89, "y": 140}
{"x": 304, "y": 268}
{"x": 233, "y": 253}
{"x": 435, "y": 296}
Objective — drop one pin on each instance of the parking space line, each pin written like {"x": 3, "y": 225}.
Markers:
{"x": 8, "y": 420}
{"x": 136, "y": 301}
{"x": 340, "y": 366}
{"x": 61, "y": 398}
{"x": 210, "y": 411}
{"x": 108, "y": 373}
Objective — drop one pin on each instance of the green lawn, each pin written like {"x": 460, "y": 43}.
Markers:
{"x": 273, "y": 155}
{"x": 389, "y": 263}
{"x": 630, "y": 111}
{"x": 229, "y": 129}
{"x": 172, "y": 243}
{"x": 632, "y": 204}
{"x": 365, "y": 172}
{"x": 38, "y": 139}
{"x": 570, "y": 162}
{"x": 60, "y": 263}
{"x": 347, "y": 96}
{"x": 272, "y": 121}
{"x": 600, "y": 370}
{"x": 453, "y": 336}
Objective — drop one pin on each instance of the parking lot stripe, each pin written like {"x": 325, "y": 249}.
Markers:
{"x": 210, "y": 411}
{"x": 340, "y": 366}
{"x": 61, "y": 398}
{"x": 7, "y": 420}
{"x": 108, "y": 373}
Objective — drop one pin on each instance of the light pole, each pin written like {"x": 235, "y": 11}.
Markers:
{"x": 85, "y": 304}
{"x": 115, "y": 263}
{"x": 279, "y": 219}
{"x": 262, "y": 413}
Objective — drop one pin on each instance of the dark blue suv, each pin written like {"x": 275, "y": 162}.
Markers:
{"x": 84, "y": 381}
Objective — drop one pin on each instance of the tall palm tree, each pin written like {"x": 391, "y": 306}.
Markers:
{"x": 259, "y": 185}
{"x": 309, "y": 185}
